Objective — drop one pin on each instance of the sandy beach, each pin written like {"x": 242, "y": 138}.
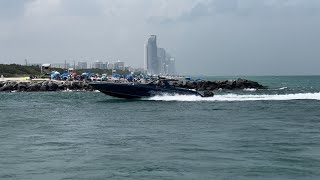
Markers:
{"x": 20, "y": 79}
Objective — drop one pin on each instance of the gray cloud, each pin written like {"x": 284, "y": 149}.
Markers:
{"x": 81, "y": 8}
{"x": 206, "y": 36}
{"x": 12, "y": 8}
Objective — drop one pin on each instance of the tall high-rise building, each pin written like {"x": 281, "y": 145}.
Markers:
{"x": 61, "y": 65}
{"x": 152, "y": 64}
{"x": 82, "y": 65}
{"x": 119, "y": 65}
{"x": 99, "y": 65}
{"x": 110, "y": 65}
{"x": 172, "y": 66}
{"x": 162, "y": 60}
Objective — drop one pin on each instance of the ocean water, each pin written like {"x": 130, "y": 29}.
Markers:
{"x": 247, "y": 134}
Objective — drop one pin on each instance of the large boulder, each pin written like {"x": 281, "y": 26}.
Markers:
{"x": 213, "y": 86}
{"x": 240, "y": 83}
{"x": 22, "y": 87}
{"x": 178, "y": 84}
{"x": 76, "y": 85}
{"x": 191, "y": 85}
{"x": 88, "y": 87}
{"x": 62, "y": 87}
{"x": 44, "y": 87}
{"x": 243, "y": 83}
{"x": 204, "y": 86}
{"x": 6, "y": 87}
{"x": 34, "y": 87}
{"x": 52, "y": 86}
{"x": 224, "y": 86}
{"x": 231, "y": 83}
{"x": 252, "y": 84}
{"x": 68, "y": 85}
{"x": 199, "y": 84}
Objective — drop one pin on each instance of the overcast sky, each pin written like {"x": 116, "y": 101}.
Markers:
{"x": 207, "y": 37}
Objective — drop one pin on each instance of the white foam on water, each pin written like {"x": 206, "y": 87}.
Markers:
{"x": 283, "y": 88}
{"x": 250, "y": 89}
{"x": 79, "y": 90}
{"x": 235, "y": 97}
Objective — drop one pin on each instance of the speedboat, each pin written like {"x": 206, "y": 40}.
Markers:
{"x": 132, "y": 90}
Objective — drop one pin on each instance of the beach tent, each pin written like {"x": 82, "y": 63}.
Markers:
{"x": 85, "y": 74}
{"x": 65, "y": 76}
{"x": 88, "y": 74}
{"x": 118, "y": 76}
{"x": 130, "y": 77}
{"x": 74, "y": 75}
{"x": 54, "y": 75}
{"x": 143, "y": 76}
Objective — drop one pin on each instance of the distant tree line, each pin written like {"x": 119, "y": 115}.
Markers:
{"x": 17, "y": 70}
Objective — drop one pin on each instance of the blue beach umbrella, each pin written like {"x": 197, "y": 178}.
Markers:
{"x": 118, "y": 76}
{"x": 85, "y": 74}
{"x": 90, "y": 74}
{"x": 130, "y": 77}
{"x": 54, "y": 75}
{"x": 65, "y": 75}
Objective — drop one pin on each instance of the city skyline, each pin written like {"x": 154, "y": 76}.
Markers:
{"x": 156, "y": 59}
{"x": 118, "y": 65}
{"x": 207, "y": 37}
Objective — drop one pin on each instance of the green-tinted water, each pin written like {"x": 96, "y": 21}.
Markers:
{"x": 269, "y": 134}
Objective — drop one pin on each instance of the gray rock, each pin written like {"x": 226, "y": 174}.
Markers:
{"x": 44, "y": 87}
{"x": 34, "y": 87}
{"x": 191, "y": 85}
{"x": 61, "y": 87}
{"x": 6, "y": 87}
{"x": 22, "y": 87}
{"x": 52, "y": 86}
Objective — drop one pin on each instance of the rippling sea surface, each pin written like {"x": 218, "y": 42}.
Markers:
{"x": 247, "y": 134}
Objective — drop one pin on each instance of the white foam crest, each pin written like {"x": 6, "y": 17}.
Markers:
{"x": 249, "y": 89}
{"x": 235, "y": 97}
{"x": 283, "y": 88}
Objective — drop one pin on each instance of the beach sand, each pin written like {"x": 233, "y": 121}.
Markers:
{"x": 21, "y": 79}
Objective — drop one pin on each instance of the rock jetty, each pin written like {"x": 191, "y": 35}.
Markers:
{"x": 216, "y": 85}
{"x": 45, "y": 86}
{"x": 53, "y": 85}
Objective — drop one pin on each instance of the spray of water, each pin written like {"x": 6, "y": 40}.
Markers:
{"x": 235, "y": 97}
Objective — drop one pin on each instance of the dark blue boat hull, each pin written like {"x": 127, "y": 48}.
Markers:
{"x": 138, "y": 90}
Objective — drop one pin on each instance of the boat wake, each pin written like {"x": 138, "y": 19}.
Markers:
{"x": 236, "y": 97}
